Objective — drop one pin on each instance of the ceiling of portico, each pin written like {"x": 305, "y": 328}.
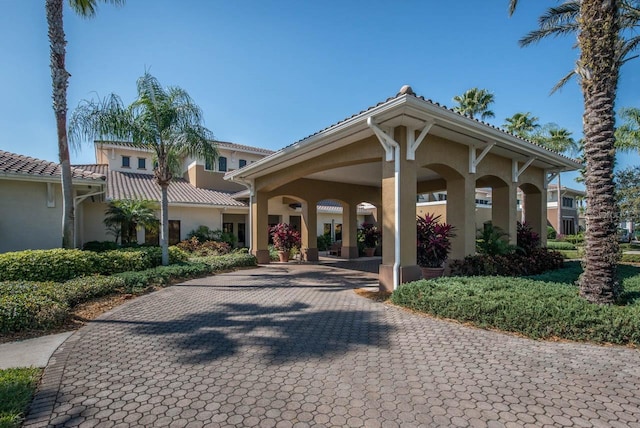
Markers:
{"x": 368, "y": 174}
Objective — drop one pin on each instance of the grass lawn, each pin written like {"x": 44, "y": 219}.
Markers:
{"x": 544, "y": 306}
{"x": 16, "y": 389}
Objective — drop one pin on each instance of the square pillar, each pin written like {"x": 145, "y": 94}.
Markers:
{"x": 504, "y": 210}
{"x": 260, "y": 227}
{"x": 349, "y": 231}
{"x": 309, "y": 231}
{"x": 461, "y": 213}
{"x": 408, "y": 268}
{"x": 537, "y": 214}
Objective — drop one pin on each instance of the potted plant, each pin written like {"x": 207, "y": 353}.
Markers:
{"x": 371, "y": 238}
{"x": 285, "y": 237}
{"x": 434, "y": 244}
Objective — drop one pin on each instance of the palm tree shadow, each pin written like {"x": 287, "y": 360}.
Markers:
{"x": 280, "y": 333}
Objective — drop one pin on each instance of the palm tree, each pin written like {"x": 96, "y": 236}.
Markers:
{"x": 475, "y": 102}
{"x": 521, "y": 124}
{"x": 128, "y": 215}
{"x": 60, "y": 80}
{"x": 562, "y": 20}
{"x": 165, "y": 121}
{"x": 628, "y": 134}
{"x": 598, "y": 68}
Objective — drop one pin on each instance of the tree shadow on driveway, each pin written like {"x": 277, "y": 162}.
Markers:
{"x": 275, "y": 334}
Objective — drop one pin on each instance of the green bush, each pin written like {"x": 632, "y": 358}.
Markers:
{"x": 324, "y": 242}
{"x": 227, "y": 261}
{"x": 539, "y": 260}
{"x": 30, "y": 305}
{"x": 61, "y": 264}
{"x": 551, "y": 232}
{"x": 560, "y": 245}
{"x": 79, "y": 290}
{"x": 35, "y": 305}
{"x": 99, "y": 246}
{"x": 631, "y": 258}
{"x": 46, "y": 265}
{"x": 161, "y": 275}
{"x": 535, "y": 308}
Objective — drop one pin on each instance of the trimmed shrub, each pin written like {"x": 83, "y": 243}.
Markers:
{"x": 46, "y": 265}
{"x": 551, "y": 232}
{"x": 206, "y": 248}
{"x": 99, "y": 246}
{"x": 538, "y": 261}
{"x": 530, "y": 307}
{"x": 162, "y": 275}
{"x": 79, "y": 290}
{"x": 29, "y": 305}
{"x": 324, "y": 242}
{"x": 228, "y": 261}
{"x": 61, "y": 264}
{"x": 631, "y": 258}
{"x": 560, "y": 245}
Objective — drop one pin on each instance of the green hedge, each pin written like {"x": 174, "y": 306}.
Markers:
{"x": 40, "y": 305}
{"x": 60, "y": 264}
{"x": 34, "y": 305}
{"x": 560, "y": 245}
{"x": 197, "y": 266}
{"x": 535, "y": 308}
{"x": 631, "y": 258}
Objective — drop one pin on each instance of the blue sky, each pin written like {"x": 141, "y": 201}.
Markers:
{"x": 268, "y": 73}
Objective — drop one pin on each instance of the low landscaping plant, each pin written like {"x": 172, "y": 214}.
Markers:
{"x": 204, "y": 248}
{"x": 537, "y": 261}
{"x": 17, "y": 387}
{"x": 546, "y": 306}
{"x": 560, "y": 245}
{"x": 63, "y": 264}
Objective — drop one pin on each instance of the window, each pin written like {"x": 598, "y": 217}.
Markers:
{"x": 142, "y": 163}
{"x": 152, "y": 236}
{"x": 227, "y": 228}
{"x": 126, "y": 161}
{"x": 208, "y": 166}
{"x": 567, "y": 202}
{"x": 242, "y": 234}
{"x": 338, "y": 231}
{"x": 242, "y": 162}
{"x": 174, "y": 232}
{"x": 222, "y": 164}
{"x": 327, "y": 229}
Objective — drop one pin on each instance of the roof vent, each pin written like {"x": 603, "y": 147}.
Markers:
{"x": 406, "y": 89}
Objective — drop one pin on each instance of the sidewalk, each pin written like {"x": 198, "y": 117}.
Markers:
{"x": 31, "y": 352}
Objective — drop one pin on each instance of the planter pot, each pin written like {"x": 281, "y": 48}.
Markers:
{"x": 429, "y": 273}
{"x": 284, "y": 256}
{"x": 369, "y": 252}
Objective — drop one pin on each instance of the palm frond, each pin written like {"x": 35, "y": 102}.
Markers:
{"x": 105, "y": 118}
{"x": 88, "y": 8}
{"x": 570, "y": 75}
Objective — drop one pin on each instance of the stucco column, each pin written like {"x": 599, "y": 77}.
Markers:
{"x": 461, "y": 213}
{"x": 504, "y": 210}
{"x": 309, "y": 230}
{"x": 408, "y": 269}
{"x": 349, "y": 231}
{"x": 260, "y": 227}
{"x": 537, "y": 214}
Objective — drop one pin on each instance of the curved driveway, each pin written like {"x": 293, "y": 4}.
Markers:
{"x": 295, "y": 346}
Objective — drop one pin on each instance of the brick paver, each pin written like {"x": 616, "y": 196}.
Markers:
{"x": 293, "y": 345}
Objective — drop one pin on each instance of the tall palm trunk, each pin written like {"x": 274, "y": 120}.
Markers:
{"x": 164, "y": 219}
{"x": 60, "y": 80}
{"x": 599, "y": 77}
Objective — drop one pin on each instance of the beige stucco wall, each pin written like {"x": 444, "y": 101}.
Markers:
{"x": 113, "y": 157}
{"x": 25, "y": 220}
{"x": 199, "y": 177}
{"x": 483, "y": 212}
{"x": 92, "y": 217}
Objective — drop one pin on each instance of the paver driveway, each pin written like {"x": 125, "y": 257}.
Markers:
{"x": 295, "y": 346}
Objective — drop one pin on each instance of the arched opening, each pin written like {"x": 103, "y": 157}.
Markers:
{"x": 504, "y": 205}
{"x": 534, "y": 209}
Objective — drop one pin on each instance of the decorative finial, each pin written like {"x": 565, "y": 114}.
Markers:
{"x": 406, "y": 89}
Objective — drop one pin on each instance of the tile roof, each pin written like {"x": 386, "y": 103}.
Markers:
{"x": 223, "y": 144}
{"x": 409, "y": 92}
{"x": 128, "y": 185}
{"x": 98, "y": 168}
{"x": 14, "y": 164}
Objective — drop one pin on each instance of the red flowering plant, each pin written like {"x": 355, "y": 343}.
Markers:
{"x": 433, "y": 240}
{"x": 370, "y": 235}
{"x": 285, "y": 237}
